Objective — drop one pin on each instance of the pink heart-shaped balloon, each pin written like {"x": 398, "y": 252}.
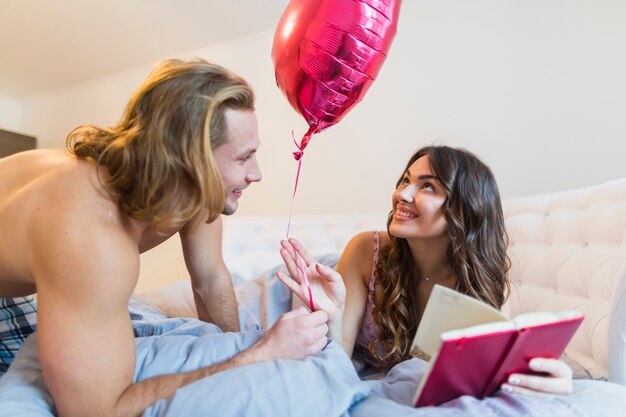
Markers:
{"x": 327, "y": 53}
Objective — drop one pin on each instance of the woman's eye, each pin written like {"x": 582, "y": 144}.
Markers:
{"x": 403, "y": 182}
{"x": 428, "y": 186}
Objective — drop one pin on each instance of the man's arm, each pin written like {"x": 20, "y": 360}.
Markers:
{"x": 85, "y": 338}
{"x": 210, "y": 279}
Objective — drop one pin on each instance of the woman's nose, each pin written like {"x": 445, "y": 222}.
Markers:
{"x": 407, "y": 194}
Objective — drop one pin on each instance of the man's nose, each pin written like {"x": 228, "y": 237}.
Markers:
{"x": 254, "y": 173}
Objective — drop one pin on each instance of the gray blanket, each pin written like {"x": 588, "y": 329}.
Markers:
{"x": 325, "y": 384}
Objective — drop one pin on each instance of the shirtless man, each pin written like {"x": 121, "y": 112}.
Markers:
{"x": 74, "y": 222}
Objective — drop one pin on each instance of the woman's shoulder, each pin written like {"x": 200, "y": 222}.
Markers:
{"x": 360, "y": 251}
{"x": 366, "y": 241}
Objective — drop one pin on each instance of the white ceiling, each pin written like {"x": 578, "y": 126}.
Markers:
{"x": 48, "y": 44}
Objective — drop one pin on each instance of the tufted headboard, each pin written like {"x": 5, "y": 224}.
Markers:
{"x": 251, "y": 244}
{"x": 568, "y": 251}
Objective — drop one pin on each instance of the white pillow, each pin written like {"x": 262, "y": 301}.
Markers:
{"x": 175, "y": 300}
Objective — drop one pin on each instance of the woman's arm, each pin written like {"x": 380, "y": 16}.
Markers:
{"x": 355, "y": 266}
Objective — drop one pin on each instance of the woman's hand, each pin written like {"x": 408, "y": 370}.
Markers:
{"x": 558, "y": 382}
{"x": 327, "y": 287}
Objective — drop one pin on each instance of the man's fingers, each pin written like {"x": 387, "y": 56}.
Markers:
{"x": 318, "y": 317}
{"x": 320, "y": 331}
{"x": 315, "y": 319}
{"x": 319, "y": 345}
{"x": 308, "y": 320}
{"x": 300, "y": 311}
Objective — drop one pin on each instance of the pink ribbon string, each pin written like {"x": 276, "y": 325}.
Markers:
{"x": 306, "y": 281}
{"x": 298, "y": 157}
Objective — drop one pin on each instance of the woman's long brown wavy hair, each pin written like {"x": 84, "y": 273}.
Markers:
{"x": 477, "y": 250}
{"x": 159, "y": 156}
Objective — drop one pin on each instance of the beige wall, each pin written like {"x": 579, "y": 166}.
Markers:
{"x": 10, "y": 114}
{"x": 536, "y": 88}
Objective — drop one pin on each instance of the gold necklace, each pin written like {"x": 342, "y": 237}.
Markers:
{"x": 427, "y": 278}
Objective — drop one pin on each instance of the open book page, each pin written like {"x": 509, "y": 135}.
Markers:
{"x": 487, "y": 328}
{"x": 533, "y": 319}
{"x": 446, "y": 310}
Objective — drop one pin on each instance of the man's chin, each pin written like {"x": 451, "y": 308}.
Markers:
{"x": 229, "y": 209}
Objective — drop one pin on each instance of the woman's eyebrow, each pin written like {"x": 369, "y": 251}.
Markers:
{"x": 422, "y": 177}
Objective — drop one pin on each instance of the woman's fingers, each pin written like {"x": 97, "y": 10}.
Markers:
{"x": 289, "y": 248}
{"x": 288, "y": 281}
{"x": 558, "y": 382}
{"x": 290, "y": 263}
{"x": 293, "y": 286}
{"x": 308, "y": 259}
{"x": 537, "y": 385}
{"x": 515, "y": 389}
{"x": 329, "y": 273}
{"x": 554, "y": 367}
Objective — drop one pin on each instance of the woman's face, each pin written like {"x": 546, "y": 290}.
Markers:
{"x": 418, "y": 204}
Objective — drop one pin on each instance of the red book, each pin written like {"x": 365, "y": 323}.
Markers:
{"x": 476, "y": 360}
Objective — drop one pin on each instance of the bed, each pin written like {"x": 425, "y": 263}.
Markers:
{"x": 568, "y": 251}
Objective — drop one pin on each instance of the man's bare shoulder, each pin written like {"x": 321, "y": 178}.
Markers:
{"x": 51, "y": 178}
{"x": 47, "y": 200}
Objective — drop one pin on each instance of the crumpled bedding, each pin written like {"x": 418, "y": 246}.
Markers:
{"x": 322, "y": 385}
{"x": 393, "y": 396}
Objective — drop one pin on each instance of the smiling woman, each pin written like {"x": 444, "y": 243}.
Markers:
{"x": 446, "y": 227}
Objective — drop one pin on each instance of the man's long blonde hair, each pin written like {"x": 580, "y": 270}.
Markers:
{"x": 159, "y": 156}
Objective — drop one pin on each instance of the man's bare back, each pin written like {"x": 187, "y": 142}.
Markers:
{"x": 35, "y": 182}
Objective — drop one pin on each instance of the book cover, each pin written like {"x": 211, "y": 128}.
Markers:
{"x": 476, "y": 360}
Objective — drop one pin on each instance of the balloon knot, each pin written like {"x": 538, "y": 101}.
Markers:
{"x": 298, "y": 155}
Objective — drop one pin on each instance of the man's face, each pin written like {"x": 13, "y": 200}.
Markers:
{"x": 236, "y": 158}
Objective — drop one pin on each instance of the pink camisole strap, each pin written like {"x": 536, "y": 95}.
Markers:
{"x": 369, "y": 328}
